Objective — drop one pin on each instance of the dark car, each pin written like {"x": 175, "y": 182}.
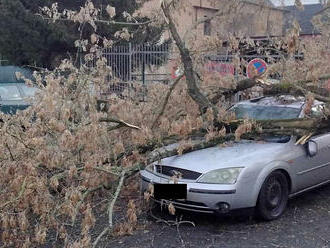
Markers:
{"x": 14, "y": 93}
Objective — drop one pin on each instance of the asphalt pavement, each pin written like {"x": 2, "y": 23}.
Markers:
{"x": 305, "y": 224}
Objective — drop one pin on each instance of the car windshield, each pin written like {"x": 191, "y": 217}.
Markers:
{"x": 258, "y": 112}
{"x": 29, "y": 91}
{"x": 9, "y": 93}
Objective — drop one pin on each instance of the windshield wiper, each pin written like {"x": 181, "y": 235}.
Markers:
{"x": 278, "y": 139}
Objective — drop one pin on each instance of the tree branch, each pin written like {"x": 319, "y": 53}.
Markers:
{"x": 323, "y": 77}
{"x": 9, "y": 150}
{"x": 112, "y": 203}
{"x": 20, "y": 140}
{"x": 121, "y": 123}
{"x": 297, "y": 88}
{"x": 101, "y": 21}
{"x": 240, "y": 86}
{"x": 106, "y": 171}
{"x": 110, "y": 209}
{"x": 193, "y": 89}
{"x": 177, "y": 80}
{"x": 281, "y": 88}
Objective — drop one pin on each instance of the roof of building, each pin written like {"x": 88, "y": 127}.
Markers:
{"x": 266, "y": 2}
{"x": 304, "y": 17}
{"x": 8, "y": 74}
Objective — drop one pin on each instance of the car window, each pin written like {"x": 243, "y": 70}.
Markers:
{"x": 29, "y": 91}
{"x": 9, "y": 92}
{"x": 258, "y": 112}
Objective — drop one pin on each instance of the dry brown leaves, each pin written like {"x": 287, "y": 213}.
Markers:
{"x": 245, "y": 127}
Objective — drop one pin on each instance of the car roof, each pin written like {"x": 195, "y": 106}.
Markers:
{"x": 280, "y": 101}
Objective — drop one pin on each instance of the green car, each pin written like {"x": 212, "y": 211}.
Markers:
{"x": 14, "y": 93}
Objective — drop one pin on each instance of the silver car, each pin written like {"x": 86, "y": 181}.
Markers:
{"x": 259, "y": 174}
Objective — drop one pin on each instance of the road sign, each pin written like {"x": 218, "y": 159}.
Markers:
{"x": 256, "y": 68}
{"x": 176, "y": 71}
{"x": 223, "y": 69}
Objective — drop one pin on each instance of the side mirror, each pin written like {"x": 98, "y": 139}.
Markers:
{"x": 312, "y": 148}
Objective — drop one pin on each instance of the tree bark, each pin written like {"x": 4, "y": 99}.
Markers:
{"x": 241, "y": 85}
{"x": 295, "y": 88}
{"x": 193, "y": 89}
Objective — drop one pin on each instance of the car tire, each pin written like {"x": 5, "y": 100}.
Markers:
{"x": 273, "y": 196}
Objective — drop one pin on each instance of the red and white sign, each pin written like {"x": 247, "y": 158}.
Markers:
{"x": 222, "y": 68}
{"x": 176, "y": 71}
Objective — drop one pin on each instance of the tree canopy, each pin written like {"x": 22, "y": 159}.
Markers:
{"x": 25, "y": 39}
{"x": 66, "y": 159}
{"x": 28, "y": 39}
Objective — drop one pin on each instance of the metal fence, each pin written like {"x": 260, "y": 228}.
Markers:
{"x": 136, "y": 63}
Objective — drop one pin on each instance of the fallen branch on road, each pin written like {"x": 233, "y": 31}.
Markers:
{"x": 110, "y": 209}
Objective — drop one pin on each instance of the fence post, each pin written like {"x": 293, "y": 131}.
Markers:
{"x": 144, "y": 76}
{"x": 130, "y": 69}
{"x": 130, "y": 62}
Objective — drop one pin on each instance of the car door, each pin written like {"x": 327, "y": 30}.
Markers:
{"x": 312, "y": 170}
{"x": 321, "y": 160}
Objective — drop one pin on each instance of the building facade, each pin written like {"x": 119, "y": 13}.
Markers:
{"x": 249, "y": 19}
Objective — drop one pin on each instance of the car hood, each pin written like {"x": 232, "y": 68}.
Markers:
{"x": 238, "y": 154}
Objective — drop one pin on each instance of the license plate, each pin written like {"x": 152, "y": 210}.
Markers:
{"x": 170, "y": 191}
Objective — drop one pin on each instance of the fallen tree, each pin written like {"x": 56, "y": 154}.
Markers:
{"x": 72, "y": 161}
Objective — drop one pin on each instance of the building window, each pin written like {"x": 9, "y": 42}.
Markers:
{"x": 207, "y": 27}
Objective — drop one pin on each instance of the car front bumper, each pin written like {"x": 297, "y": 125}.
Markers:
{"x": 203, "y": 198}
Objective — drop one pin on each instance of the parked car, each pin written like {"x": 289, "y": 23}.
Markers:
{"x": 14, "y": 93}
{"x": 255, "y": 174}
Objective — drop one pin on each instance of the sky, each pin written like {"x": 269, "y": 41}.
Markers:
{"x": 291, "y": 2}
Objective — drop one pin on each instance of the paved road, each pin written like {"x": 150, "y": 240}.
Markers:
{"x": 305, "y": 224}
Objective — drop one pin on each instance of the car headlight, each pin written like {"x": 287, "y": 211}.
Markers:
{"x": 221, "y": 176}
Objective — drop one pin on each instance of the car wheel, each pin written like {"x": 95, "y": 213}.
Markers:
{"x": 273, "y": 196}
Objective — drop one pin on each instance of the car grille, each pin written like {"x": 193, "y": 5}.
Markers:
{"x": 187, "y": 205}
{"x": 170, "y": 171}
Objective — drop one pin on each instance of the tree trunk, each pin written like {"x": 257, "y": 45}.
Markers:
{"x": 193, "y": 89}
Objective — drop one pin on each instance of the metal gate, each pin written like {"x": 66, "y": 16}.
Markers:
{"x": 136, "y": 63}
